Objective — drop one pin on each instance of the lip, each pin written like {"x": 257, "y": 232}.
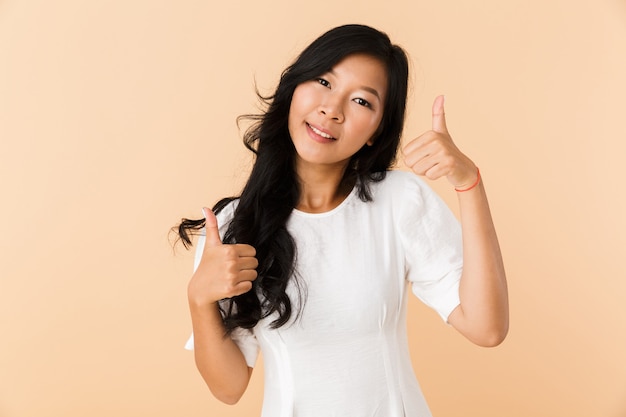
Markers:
{"x": 318, "y": 138}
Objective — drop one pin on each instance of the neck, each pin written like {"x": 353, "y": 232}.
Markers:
{"x": 321, "y": 187}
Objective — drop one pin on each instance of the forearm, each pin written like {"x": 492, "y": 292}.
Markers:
{"x": 483, "y": 315}
{"x": 218, "y": 358}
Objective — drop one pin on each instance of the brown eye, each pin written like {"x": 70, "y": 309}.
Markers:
{"x": 362, "y": 102}
{"x": 324, "y": 82}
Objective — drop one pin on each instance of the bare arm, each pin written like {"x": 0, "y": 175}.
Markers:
{"x": 217, "y": 357}
{"x": 224, "y": 271}
{"x": 483, "y": 315}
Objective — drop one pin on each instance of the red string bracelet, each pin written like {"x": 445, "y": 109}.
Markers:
{"x": 471, "y": 186}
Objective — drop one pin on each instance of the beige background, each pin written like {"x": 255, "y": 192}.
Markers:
{"x": 118, "y": 117}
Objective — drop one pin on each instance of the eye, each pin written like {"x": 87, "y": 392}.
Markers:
{"x": 362, "y": 102}
{"x": 324, "y": 82}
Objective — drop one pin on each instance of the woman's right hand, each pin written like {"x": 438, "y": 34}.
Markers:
{"x": 225, "y": 270}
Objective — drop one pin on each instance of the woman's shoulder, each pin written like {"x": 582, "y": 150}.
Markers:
{"x": 225, "y": 210}
{"x": 400, "y": 181}
{"x": 403, "y": 190}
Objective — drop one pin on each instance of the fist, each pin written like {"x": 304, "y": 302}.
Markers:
{"x": 224, "y": 270}
{"x": 434, "y": 155}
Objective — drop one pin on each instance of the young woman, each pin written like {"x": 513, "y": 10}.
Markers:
{"x": 311, "y": 264}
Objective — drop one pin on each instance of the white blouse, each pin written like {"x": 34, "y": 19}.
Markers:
{"x": 347, "y": 354}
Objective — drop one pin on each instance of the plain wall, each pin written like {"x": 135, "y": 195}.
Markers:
{"x": 117, "y": 118}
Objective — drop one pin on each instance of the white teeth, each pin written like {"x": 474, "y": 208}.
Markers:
{"x": 322, "y": 134}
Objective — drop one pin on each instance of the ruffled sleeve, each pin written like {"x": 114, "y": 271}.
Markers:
{"x": 432, "y": 241}
{"x": 244, "y": 338}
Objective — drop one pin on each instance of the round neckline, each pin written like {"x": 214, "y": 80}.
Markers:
{"x": 345, "y": 201}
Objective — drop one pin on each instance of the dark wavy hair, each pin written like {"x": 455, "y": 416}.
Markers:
{"x": 272, "y": 190}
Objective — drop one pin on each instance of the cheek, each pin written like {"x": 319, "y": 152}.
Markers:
{"x": 300, "y": 98}
{"x": 368, "y": 124}
{"x": 294, "y": 108}
{"x": 302, "y": 104}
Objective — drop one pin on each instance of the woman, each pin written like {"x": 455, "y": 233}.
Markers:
{"x": 312, "y": 262}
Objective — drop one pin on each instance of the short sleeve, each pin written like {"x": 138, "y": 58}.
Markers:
{"x": 244, "y": 338}
{"x": 432, "y": 241}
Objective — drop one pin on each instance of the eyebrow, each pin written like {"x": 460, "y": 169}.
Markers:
{"x": 363, "y": 87}
{"x": 371, "y": 90}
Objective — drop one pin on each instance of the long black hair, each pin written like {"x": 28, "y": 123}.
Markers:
{"x": 272, "y": 190}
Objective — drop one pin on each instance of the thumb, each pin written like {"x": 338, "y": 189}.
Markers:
{"x": 439, "y": 115}
{"x": 212, "y": 231}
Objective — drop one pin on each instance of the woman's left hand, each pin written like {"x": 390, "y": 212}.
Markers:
{"x": 434, "y": 155}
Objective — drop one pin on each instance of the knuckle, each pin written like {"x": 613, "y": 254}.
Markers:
{"x": 229, "y": 289}
{"x": 230, "y": 263}
{"x": 248, "y": 249}
{"x": 230, "y": 251}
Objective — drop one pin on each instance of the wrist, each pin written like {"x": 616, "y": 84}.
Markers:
{"x": 464, "y": 188}
{"x": 205, "y": 313}
{"x": 201, "y": 303}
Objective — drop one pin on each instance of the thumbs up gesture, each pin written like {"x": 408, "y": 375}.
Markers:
{"x": 434, "y": 155}
{"x": 224, "y": 270}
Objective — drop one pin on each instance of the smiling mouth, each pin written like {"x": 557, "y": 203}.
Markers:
{"x": 320, "y": 133}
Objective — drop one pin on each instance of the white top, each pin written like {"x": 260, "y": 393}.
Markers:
{"x": 347, "y": 355}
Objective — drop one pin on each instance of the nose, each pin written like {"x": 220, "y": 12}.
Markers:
{"x": 332, "y": 109}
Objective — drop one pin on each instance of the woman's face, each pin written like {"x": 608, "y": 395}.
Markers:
{"x": 336, "y": 114}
